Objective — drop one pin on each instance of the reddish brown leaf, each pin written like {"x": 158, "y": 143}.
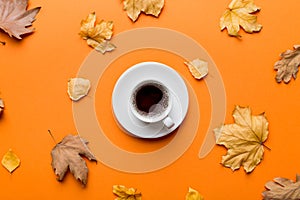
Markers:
{"x": 66, "y": 155}
{"x": 15, "y": 19}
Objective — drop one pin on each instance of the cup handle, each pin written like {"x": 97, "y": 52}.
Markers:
{"x": 168, "y": 122}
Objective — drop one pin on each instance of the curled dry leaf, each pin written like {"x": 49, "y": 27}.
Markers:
{"x": 124, "y": 193}
{"x": 239, "y": 14}
{"x": 135, "y": 7}
{"x": 198, "y": 68}
{"x": 193, "y": 195}
{"x": 287, "y": 66}
{"x": 244, "y": 139}
{"x": 282, "y": 189}
{"x": 66, "y": 155}
{"x": 78, "y": 88}
{"x": 15, "y": 19}
{"x": 97, "y": 35}
{"x": 10, "y": 161}
{"x": 1, "y": 107}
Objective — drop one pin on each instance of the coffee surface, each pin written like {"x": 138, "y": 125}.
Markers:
{"x": 148, "y": 96}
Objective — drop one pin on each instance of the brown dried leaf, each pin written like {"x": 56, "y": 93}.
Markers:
{"x": 97, "y": 35}
{"x": 10, "y": 161}
{"x": 66, "y": 155}
{"x": 135, "y": 7}
{"x": 244, "y": 139}
{"x": 15, "y": 19}
{"x": 282, "y": 189}
{"x": 287, "y": 66}
{"x": 124, "y": 193}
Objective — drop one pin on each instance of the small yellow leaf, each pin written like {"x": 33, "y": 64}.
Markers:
{"x": 135, "y": 7}
{"x": 198, "y": 68}
{"x": 193, "y": 195}
{"x": 10, "y": 161}
{"x": 78, "y": 88}
{"x": 239, "y": 14}
{"x": 97, "y": 34}
{"x": 244, "y": 139}
{"x": 124, "y": 193}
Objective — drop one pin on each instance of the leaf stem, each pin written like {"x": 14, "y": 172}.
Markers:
{"x": 266, "y": 147}
{"x": 52, "y": 136}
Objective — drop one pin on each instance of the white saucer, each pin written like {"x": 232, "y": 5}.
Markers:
{"x": 134, "y": 75}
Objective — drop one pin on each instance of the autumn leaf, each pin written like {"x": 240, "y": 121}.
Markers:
{"x": 193, "y": 195}
{"x": 97, "y": 35}
{"x": 66, "y": 155}
{"x": 1, "y": 107}
{"x": 124, "y": 193}
{"x": 10, "y": 161}
{"x": 287, "y": 66}
{"x": 244, "y": 139}
{"x": 198, "y": 68}
{"x": 15, "y": 19}
{"x": 282, "y": 189}
{"x": 135, "y": 7}
{"x": 78, "y": 88}
{"x": 239, "y": 14}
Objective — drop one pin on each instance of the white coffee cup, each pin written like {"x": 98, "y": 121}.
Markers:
{"x": 151, "y": 102}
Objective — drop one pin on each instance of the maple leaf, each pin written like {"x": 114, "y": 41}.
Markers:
{"x": 66, "y": 155}
{"x": 282, "y": 189}
{"x": 244, "y": 139}
{"x": 97, "y": 35}
{"x": 198, "y": 68}
{"x": 135, "y": 7}
{"x": 239, "y": 14}
{"x": 193, "y": 195}
{"x": 124, "y": 193}
{"x": 15, "y": 19}
{"x": 287, "y": 66}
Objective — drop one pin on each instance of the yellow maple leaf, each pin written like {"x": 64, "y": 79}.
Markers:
{"x": 239, "y": 14}
{"x": 97, "y": 35}
{"x": 10, "y": 161}
{"x": 135, "y": 7}
{"x": 124, "y": 193}
{"x": 244, "y": 139}
{"x": 193, "y": 195}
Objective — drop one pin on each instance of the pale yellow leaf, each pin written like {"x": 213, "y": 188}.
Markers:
{"x": 78, "y": 88}
{"x": 135, "y": 7}
{"x": 1, "y": 106}
{"x": 239, "y": 13}
{"x": 244, "y": 139}
{"x": 124, "y": 193}
{"x": 198, "y": 68}
{"x": 10, "y": 161}
{"x": 193, "y": 195}
{"x": 97, "y": 35}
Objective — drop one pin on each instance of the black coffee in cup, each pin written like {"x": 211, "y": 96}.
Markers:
{"x": 150, "y": 99}
{"x": 147, "y": 96}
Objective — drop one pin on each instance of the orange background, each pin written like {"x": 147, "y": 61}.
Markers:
{"x": 33, "y": 80}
